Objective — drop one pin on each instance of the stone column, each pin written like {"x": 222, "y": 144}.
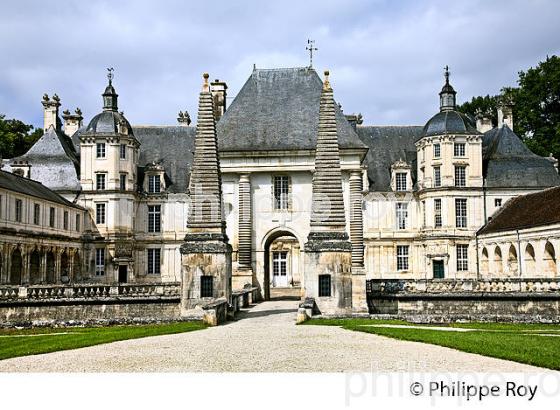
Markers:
{"x": 244, "y": 273}
{"x": 359, "y": 300}
{"x": 206, "y": 250}
{"x": 328, "y": 250}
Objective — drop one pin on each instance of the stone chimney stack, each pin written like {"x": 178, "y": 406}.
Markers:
{"x": 354, "y": 120}
{"x": 483, "y": 122}
{"x": 72, "y": 122}
{"x": 505, "y": 113}
{"x": 50, "y": 112}
{"x": 219, "y": 93}
{"x": 184, "y": 119}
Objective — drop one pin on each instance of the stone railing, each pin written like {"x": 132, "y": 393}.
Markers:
{"x": 457, "y": 286}
{"x": 89, "y": 291}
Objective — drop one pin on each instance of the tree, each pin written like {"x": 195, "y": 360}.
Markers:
{"x": 16, "y": 137}
{"x": 536, "y": 110}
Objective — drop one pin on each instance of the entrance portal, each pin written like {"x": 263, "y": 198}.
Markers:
{"x": 439, "y": 269}
{"x": 123, "y": 273}
{"x": 281, "y": 263}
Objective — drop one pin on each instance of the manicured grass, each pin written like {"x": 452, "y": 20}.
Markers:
{"x": 14, "y": 343}
{"x": 523, "y": 343}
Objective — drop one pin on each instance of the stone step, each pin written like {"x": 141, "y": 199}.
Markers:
{"x": 285, "y": 293}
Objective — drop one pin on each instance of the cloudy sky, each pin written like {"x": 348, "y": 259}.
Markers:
{"x": 386, "y": 57}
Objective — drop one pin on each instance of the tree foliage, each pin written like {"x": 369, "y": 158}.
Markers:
{"x": 16, "y": 137}
{"x": 536, "y": 110}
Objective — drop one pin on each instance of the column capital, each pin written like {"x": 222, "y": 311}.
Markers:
{"x": 245, "y": 177}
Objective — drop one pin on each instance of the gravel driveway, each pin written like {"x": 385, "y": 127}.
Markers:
{"x": 264, "y": 339}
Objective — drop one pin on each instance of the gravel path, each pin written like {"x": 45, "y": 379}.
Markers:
{"x": 264, "y": 339}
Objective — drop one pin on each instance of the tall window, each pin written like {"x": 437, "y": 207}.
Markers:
{"x": 123, "y": 151}
{"x": 462, "y": 257}
{"x": 154, "y": 218}
{"x": 52, "y": 217}
{"x": 206, "y": 286}
{"x": 402, "y": 257}
{"x": 100, "y": 262}
{"x": 437, "y": 213}
{"x": 65, "y": 220}
{"x": 19, "y": 210}
{"x": 36, "y": 214}
{"x": 154, "y": 184}
{"x": 154, "y": 261}
{"x": 400, "y": 181}
{"x": 437, "y": 150}
{"x": 402, "y": 214}
{"x": 100, "y": 182}
{"x": 437, "y": 177}
{"x": 324, "y": 285}
{"x": 460, "y": 179}
{"x": 78, "y": 222}
{"x": 100, "y": 150}
{"x": 461, "y": 212}
{"x": 100, "y": 214}
{"x": 279, "y": 263}
{"x": 459, "y": 149}
{"x": 281, "y": 191}
{"x": 122, "y": 182}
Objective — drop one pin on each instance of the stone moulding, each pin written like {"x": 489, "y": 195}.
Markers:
{"x": 328, "y": 242}
{"x": 205, "y": 243}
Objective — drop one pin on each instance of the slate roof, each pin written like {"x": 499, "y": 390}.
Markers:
{"x": 526, "y": 211}
{"x": 388, "y": 144}
{"x": 278, "y": 109}
{"x": 32, "y": 188}
{"x": 54, "y": 161}
{"x": 449, "y": 122}
{"x": 508, "y": 163}
{"x": 107, "y": 122}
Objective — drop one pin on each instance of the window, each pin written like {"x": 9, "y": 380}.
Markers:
{"x": 402, "y": 257}
{"x": 437, "y": 213}
{"x": 459, "y": 149}
{"x": 123, "y": 151}
{"x": 65, "y": 220}
{"x": 100, "y": 150}
{"x": 154, "y": 218}
{"x": 78, "y": 222}
{"x": 437, "y": 177}
{"x": 122, "y": 182}
{"x": 437, "y": 150}
{"x": 324, "y": 285}
{"x": 281, "y": 191}
{"x": 36, "y": 214}
{"x": 400, "y": 178}
{"x": 206, "y": 286}
{"x": 279, "y": 263}
{"x": 462, "y": 258}
{"x": 100, "y": 262}
{"x": 460, "y": 180}
{"x": 461, "y": 212}
{"x": 52, "y": 217}
{"x": 402, "y": 214}
{"x": 19, "y": 211}
{"x": 100, "y": 182}
{"x": 100, "y": 214}
{"x": 498, "y": 202}
{"x": 154, "y": 259}
{"x": 154, "y": 184}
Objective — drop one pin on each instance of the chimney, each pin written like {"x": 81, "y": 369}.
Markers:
{"x": 72, "y": 122}
{"x": 183, "y": 118}
{"x": 354, "y": 120}
{"x": 505, "y": 113}
{"x": 483, "y": 122}
{"x": 50, "y": 112}
{"x": 219, "y": 93}
{"x": 553, "y": 161}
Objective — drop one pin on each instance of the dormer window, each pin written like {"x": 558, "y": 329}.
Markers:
{"x": 154, "y": 184}
{"x": 401, "y": 180}
{"x": 154, "y": 181}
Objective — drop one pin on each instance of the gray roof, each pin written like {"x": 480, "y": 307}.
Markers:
{"x": 173, "y": 147}
{"x": 279, "y": 110}
{"x": 54, "y": 161}
{"x": 508, "y": 163}
{"x": 449, "y": 122}
{"x": 388, "y": 144}
{"x": 107, "y": 122}
{"x": 32, "y": 188}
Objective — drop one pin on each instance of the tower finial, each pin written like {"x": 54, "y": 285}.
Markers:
{"x": 446, "y": 68}
{"x": 110, "y": 75}
{"x": 326, "y": 83}
{"x": 311, "y": 48}
{"x": 205, "y": 86}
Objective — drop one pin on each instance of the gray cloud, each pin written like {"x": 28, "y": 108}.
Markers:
{"x": 385, "y": 57}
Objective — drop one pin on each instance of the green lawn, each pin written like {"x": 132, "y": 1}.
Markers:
{"x": 523, "y": 343}
{"x": 14, "y": 342}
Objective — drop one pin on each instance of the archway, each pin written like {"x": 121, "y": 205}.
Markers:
{"x": 513, "y": 264}
{"x": 498, "y": 267}
{"x": 549, "y": 260}
{"x": 51, "y": 277}
{"x": 484, "y": 261}
{"x": 16, "y": 268}
{"x": 281, "y": 262}
{"x": 530, "y": 261}
{"x": 35, "y": 268}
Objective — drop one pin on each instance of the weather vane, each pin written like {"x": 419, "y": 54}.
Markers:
{"x": 446, "y": 68}
{"x": 110, "y": 74}
{"x": 311, "y": 47}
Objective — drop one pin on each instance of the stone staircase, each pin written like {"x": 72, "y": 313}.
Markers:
{"x": 285, "y": 293}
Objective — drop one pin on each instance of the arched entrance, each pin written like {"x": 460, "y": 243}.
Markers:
{"x": 35, "y": 268}
{"x": 16, "y": 267}
{"x": 282, "y": 262}
{"x": 530, "y": 261}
